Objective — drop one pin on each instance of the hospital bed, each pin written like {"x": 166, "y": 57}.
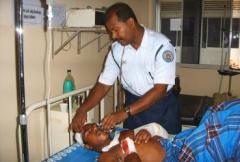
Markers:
{"x": 73, "y": 151}
{"x": 230, "y": 117}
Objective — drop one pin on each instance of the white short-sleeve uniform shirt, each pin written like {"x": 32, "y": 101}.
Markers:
{"x": 154, "y": 62}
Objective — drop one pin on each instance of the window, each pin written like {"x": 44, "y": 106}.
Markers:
{"x": 210, "y": 30}
{"x": 174, "y": 36}
{"x": 235, "y": 32}
{"x": 214, "y": 32}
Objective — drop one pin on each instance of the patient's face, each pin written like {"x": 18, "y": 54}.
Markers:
{"x": 94, "y": 137}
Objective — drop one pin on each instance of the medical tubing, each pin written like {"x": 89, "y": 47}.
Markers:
{"x": 48, "y": 72}
{"x": 121, "y": 77}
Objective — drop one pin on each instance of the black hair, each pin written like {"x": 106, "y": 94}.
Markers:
{"x": 122, "y": 11}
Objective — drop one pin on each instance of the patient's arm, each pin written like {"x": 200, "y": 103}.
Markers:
{"x": 107, "y": 157}
{"x": 133, "y": 157}
{"x": 151, "y": 151}
{"x": 113, "y": 155}
{"x": 142, "y": 136}
{"x": 126, "y": 133}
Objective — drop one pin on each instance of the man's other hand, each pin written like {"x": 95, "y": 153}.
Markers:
{"x": 78, "y": 121}
{"x": 112, "y": 119}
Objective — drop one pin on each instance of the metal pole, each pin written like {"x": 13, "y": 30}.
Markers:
{"x": 230, "y": 46}
{"x": 20, "y": 77}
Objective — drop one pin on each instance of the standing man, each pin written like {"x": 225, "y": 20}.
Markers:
{"x": 145, "y": 63}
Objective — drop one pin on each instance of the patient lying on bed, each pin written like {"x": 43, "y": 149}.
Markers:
{"x": 141, "y": 141}
{"x": 217, "y": 138}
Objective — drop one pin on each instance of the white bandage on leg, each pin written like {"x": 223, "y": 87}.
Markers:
{"x": 128, "y": 146}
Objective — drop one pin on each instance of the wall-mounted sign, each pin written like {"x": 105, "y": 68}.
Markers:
{"x": 32, "y": 14}
{"x": 175, "y": 24}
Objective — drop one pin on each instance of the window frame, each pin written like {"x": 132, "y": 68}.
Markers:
{"x": 158, "y": 18}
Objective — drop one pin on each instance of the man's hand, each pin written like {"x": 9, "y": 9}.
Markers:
{"x": 78, "y": 121}
{"x": 112, "y": 119}
{"x": 142, "y": 136}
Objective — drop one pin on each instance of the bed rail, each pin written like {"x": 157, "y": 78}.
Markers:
{"x": 49, "y": 103}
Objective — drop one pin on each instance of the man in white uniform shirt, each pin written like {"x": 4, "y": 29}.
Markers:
{"x": 145, "y": 63}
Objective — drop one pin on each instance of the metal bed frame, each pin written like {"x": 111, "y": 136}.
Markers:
{"x": 49, "y": 104}
{"x": 24, "y": 112}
